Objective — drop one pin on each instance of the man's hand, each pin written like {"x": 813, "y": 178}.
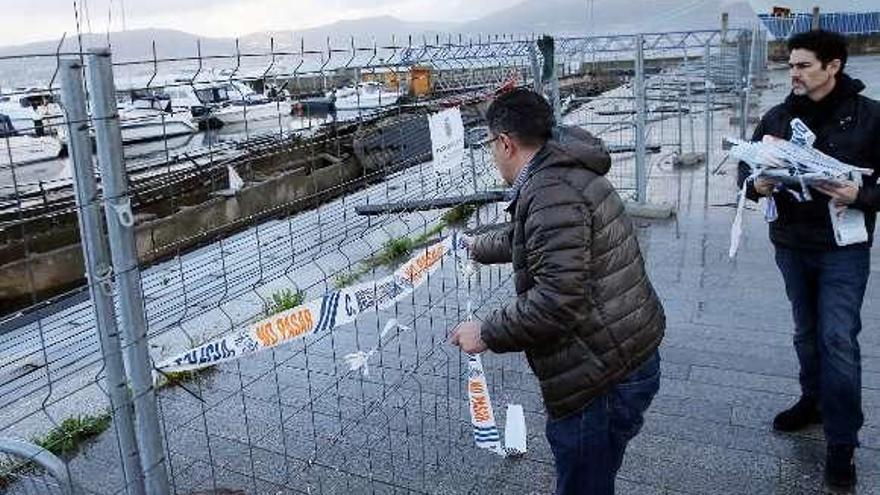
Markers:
{"x": 765, "y": 186}
{"x": 843, "y": 192}
{"x": 468, "y": 241}
{"x": 466, "y": 335}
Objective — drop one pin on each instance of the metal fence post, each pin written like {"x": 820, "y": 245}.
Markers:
{"x": 537, "y": 79}
{"x": 742, "y": 76}
{"x": 554, "y": 91}
{"x": 765, "y": 53}
{"x": 98, "y": 269}
{"x": 548, "y": 51}
{"x": 120, "y": 226}
{"x": 708, "y": 124}
{"x": 749, "y": 81}
{"x": 555, "y": 95}
{"x": 639, "y": 89}
{"x": 679, "y": 109}
{"x": 761, "y": 59}
{"x": 690, "y": 103}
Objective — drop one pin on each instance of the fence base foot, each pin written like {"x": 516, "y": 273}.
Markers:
{"x": 649, "y": 210}
{"x": 687, "y": 160}
{"x": 752, "y": 119}
{"x": 761, "y": 83}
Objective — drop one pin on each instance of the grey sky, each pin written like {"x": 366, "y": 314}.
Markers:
{"x": 33, "y": 20}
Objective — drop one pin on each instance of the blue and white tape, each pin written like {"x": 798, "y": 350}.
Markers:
{"x": 333, "y": 310}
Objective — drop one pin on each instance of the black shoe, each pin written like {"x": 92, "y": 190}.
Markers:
{"x": 799, "y": 416}
{"x": 840, "y": 469}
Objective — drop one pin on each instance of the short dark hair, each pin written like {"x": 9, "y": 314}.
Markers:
{"x": 522, "y": 113}
{"x": 827, "y": 45}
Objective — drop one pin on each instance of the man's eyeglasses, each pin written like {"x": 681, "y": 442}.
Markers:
{"x": 484, "y": 144}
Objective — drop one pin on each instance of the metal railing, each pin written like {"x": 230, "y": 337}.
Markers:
{"x": 850, "y": 23}
{"x": 33, "y": 469}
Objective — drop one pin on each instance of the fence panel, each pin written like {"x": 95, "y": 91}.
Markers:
{"x": 269, "y": 190}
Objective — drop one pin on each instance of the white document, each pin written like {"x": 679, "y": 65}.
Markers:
{"x": 447, "y": 140}
{"x": 848, "y": 224}
{"x": 801, "y": 134}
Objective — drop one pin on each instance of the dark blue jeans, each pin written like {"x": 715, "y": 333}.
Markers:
{"x": 588, "y": 446}
{"x": 826, "y": 289}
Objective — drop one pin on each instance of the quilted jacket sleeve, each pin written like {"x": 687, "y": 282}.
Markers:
{"x": 558, "y": 236}
{"x": 493, "y": 247}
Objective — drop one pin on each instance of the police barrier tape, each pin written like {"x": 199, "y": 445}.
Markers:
{"x": 359, "y": 361}
{"x": 340, "y": 307}
{"x": 486, "y": 433}
{"x": 335, "y": 309}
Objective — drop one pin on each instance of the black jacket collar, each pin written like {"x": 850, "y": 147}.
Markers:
{"x": 815, "y": 113}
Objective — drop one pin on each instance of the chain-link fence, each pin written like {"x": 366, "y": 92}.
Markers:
{"x": 661, "y": 114}
{"x": 271, "y": 258}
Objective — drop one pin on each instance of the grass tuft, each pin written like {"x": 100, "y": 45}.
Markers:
{"x": 395, "y": 249}
{"x": 285, "y": 299}
{"x": 69, "y": 436}
{"x": 458, "y": 214}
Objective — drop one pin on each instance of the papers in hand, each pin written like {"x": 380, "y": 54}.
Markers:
{"x": 848, "y": 224}
{"x": 798, "y": 165}
{"x": 793, "y": 162}
{"x": 785, "y": 176}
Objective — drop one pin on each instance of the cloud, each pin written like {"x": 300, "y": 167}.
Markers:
{"x": 29, "y": 20}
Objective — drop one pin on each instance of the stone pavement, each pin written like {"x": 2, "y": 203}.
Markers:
{"x": 728, "y": 361}
{"x": 729, "y": 364}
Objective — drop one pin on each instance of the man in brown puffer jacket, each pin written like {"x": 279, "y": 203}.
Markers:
{"x": 586, "y": 314}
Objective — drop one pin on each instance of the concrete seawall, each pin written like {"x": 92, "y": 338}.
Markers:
{"x": 279, "y": 181}
{"x": 61, "y": 268}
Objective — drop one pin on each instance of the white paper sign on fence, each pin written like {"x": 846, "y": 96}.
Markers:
{"x": 447, "y": 139}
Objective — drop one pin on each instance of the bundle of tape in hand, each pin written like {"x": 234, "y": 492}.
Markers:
{"x": 795, "y": 165}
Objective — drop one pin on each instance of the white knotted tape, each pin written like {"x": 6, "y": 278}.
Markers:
{"x": 359, "y": 361}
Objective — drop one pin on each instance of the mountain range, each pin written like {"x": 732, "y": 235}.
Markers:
{"x": 557, "y": 17}
{"x": 529, "y": 17}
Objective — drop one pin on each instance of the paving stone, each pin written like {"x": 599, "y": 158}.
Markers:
{"x": 728, "y": 359}
{"x": 692, "y": 407}
{"x": 695, "y": 467}
{"x": 741, "y": 379}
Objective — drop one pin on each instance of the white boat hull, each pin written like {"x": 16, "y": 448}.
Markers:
{"x": 365, "y": 101}
{"x": 138, "y": 131}
{"x": 238, "y": 114}
{"x": 21, "y": 150}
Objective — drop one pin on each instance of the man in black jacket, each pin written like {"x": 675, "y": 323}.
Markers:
{"x": 824, "y": 281}
{"x": 585, "y": 314}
